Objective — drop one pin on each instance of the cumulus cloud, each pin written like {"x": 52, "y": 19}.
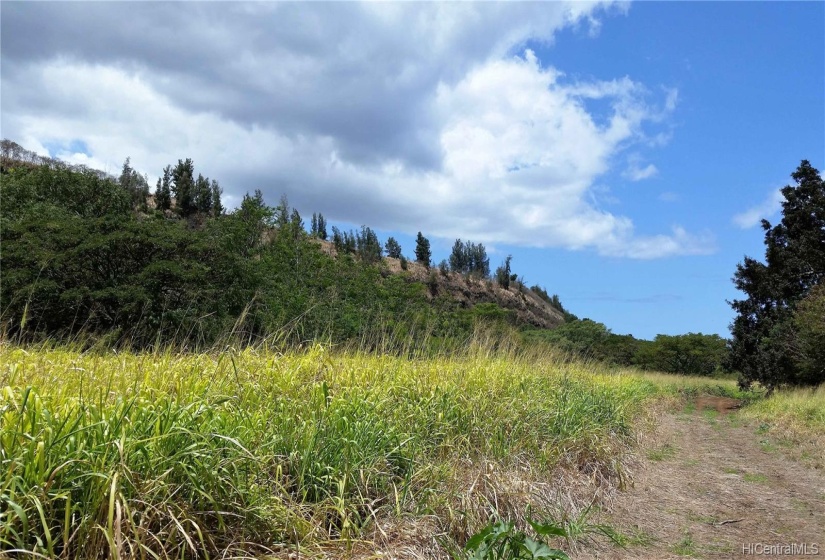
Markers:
{"x": 755, "y": 214}
{"x": 430, "y": 117}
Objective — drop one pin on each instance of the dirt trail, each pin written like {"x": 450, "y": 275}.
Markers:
{"x": 711, "y": 482}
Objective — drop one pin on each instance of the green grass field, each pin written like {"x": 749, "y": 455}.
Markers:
{"x": 247, "y": 453}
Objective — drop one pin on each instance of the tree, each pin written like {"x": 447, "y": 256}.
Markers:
{"x": 282, "y": 212}
{"x": 368, "y": 246}
{"x": 217, "y": 206}
{"x": 765, "y": 336}
{"x": 183, "y": 187}
{"x": 469, "y": 258}
{"x": 503, "y": 273}
{"x": 809, "y": 323}
{"x": 313, "y": 228}
{"x": 337, "y": 240}
{"x": 163, "y": 192}
{"x": 692, "y": 353}
{"x": 458, "y": 257}
{"x": 322, "y": 227}
{"x": 393, "y": 248}
{"x": 296, "y": 224}
{"x": 203, "y": 195}
{"x": 422, "y": 250}
{"x": 135, "y": 184}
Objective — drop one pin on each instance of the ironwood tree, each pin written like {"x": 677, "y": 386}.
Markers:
{"x": 767, "y": 341}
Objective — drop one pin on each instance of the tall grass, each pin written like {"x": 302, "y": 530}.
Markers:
{"x": 189, "y": 455}
{"x": 797, "y": 415}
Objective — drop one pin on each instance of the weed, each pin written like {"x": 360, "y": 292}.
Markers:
{"x": 666, "y": 451}
{"x": 635, "y": 537}
{"x": 500, "y": 540}
{"x": 686, "y": 546}
{"x": 755, "y": 477}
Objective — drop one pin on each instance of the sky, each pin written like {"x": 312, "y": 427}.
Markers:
{"x": 622, "y": 153}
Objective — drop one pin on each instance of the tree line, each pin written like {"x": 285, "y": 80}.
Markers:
{"x": 85, "y": 253}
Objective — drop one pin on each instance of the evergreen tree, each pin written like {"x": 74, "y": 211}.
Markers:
{"x": 217, "y": 206}
{"x": 203, "y": 195}
{"x": 296, "y": 224}
{"x": 458, "y": 257}
{"x": 368, "y": 246}
{"x": 478, "y": 263}
{"x": 313, "y": 230}
{"x": 135, "y": 184}
{"x": 503, "y": 273}
{"x": 393, "y": 248}
{"x": 163, "y": 192}
{"x": 337, "y": 240}
{"x": 422, "y": 250}
{"x": 765, "y": 335}
{"x": 470, "y": 258}
{"x": 126, "y": 175}
{"x": 282, "y": 212}
{"x": 322, "y": 227}
{"x": 183, "y": 187}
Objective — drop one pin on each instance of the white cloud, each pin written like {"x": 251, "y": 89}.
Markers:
{"x": 636, "y": 171}
{"x": 407, "y": 118}
{"x": 754, "y": 215}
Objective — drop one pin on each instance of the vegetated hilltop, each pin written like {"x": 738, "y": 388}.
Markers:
{"x": 469, "y": 291}
{"x": 85, "y": 252}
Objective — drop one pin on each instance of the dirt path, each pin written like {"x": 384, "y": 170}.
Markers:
{"x": 710, "y": 483}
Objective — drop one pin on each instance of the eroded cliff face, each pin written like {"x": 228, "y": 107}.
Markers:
{"x": 469, "y": 291}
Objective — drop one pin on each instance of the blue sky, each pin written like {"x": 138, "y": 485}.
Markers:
{"x": 622, "y": 153}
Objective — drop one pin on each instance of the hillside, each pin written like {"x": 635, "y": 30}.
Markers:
{"x": 98, "y": 256}
{"x": 467, "y": 291}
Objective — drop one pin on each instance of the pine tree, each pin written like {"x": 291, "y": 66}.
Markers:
{"x": 126, "y": 175}
{"x": 393, "y": 248}
{"x": 184, "y": 186}
{"x": 217, "y": 206}
{"x": 337, "y": 240}
{"x": 163, "y": 192}
{"x": 368, "y": 246}
{"x": 458, "y": 257}
{"x": 282, "y": 212}
{"x": 422, "y": 250}
{"x": 322, "y": 227}
{"x": 503, "y": 273}
{"x": 203, "y": 195}
{"x": 313, "y": 230}
{"x": 765, "y": 334}
{"x": 296, "y": 224}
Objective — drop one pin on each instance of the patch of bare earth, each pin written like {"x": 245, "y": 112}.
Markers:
{"x": 709, "y": 485}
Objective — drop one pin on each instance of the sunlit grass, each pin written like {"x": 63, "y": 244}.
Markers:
{"x": 795, "y": 415}
{"x": 180, "y": 454}
{"x": 244, "y": 451}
